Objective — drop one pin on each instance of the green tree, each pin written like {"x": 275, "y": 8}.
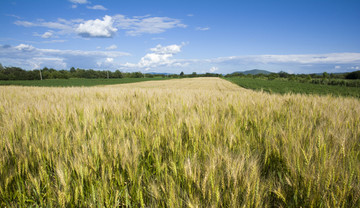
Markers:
{"x": 283, "y": 74}
{"x": 273, "y": 76}
{"x": 72, "y": 70}
{"x": 117, "y": 74}
{"x": 325, "y": 75}
{"x": 80, "y": 73}
{"x": 136, "y": 75}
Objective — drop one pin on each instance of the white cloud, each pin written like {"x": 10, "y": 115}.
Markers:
{"x": 24, "y": 23}
{"x": 170, "y": 49}
{"x": 47, "y": 35}
{"x": 146, "y": 25}
{"x": 110, "y": 60}
{"x": 112, "y": 47}
{"x": 160, "y": 56}
{"x": 316, "y": 58}
{"x": 108, "y": 26}
{"x": 212, "y": 69}
{"x": 97, "y": 28}
{"x": 154, "y": 60}
{"x": 29, "y": 57}
{"x": 54, "y": 41}
{"x": 24, "y": 48}
{"x": 97, "y": 7}
{"x": 74, "y": 6}
{"x": 203, "y": 28}
{"x": 108, "y": 63}
{"x": 79, "y": 1}
{"x": 58, "y": 63}
{"x": 337, "y": 67}
{"x": 355, "y": 67}
{"x": 56, "y": 25}
{"x": 331, "y": 58}
{"x": 64, "y": 26}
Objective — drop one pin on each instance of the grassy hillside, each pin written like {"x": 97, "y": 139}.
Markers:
{"x": 284, "y": 86}
{"x": 177, "y": 143}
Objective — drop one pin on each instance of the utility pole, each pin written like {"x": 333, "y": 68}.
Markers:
{"x": 40, "y": 74}
{"x": 107, "y": 72}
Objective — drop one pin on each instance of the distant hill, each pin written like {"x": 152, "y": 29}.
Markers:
{"x": 253, "y": 72}
{"x": 159, "y": 73}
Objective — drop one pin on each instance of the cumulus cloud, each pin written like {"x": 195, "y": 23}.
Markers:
{"x": 97, "y": 7}
{"x": 28, "y": 57}
{"x": 159, "y": 56}
{"x": 154, "y": 60}
{"x": 112, "y": 47}
{"x": 97, "y": 28}
{"x": 108, "y": 26}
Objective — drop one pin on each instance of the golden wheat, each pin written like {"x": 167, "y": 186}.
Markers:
{"x": 177, "y": 143}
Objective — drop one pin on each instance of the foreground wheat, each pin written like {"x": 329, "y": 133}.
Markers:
{"x": 178, "y": 143}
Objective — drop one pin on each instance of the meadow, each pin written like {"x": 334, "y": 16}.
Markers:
{"x": 75, "y": 82}
{"x": 287, "y": 86}
{"x": 200, "y": 142}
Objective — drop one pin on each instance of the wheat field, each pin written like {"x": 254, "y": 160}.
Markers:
{"x": 201, "y": 142}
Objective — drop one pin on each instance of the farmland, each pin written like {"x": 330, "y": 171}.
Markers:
{"x": 76, "y": 82}
{"x": 177, "y": 143}
{"x": 286, "y": 86}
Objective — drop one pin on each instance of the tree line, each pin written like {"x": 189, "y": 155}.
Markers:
{"x": 17, "y": 73}
{"x": 281, "y": 74}
{"x": 351, "y": 79}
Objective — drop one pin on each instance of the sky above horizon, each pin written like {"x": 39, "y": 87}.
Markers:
{"x": 295, "y": 36}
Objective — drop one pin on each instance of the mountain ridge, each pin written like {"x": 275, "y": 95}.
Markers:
{"x": 253, "y": 72}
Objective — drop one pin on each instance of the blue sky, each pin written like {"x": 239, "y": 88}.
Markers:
{"x": 220, "y": 36}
